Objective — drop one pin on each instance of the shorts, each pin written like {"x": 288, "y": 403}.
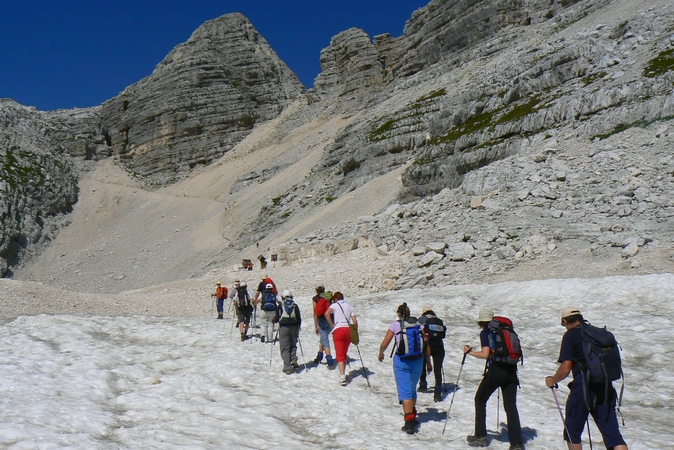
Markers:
{"x": 243, "y": 313}
{"x": 324, "y": 332}
{"x": 342, "y": 338}
{"x": 407, "y": 373}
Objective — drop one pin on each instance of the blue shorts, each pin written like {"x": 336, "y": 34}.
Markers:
{"x": 324, "y": 332}
{"x": 604, "y": 416}
{"x": 407, "y": 373}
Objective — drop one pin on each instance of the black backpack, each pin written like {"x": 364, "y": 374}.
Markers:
{"x": 602, "y": 358}
{"x": 435, "y": 329}
{"x": 504, "y": 342}
{"x": 243, "y": 298}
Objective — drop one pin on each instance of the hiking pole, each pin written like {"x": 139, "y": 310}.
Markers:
{"x": 561, "y": 414}
{"x": 498, "y": 408}
{"x": 273, "y": 343}
{"x": 363, "y": 366}
{"x": 456, "y": 388}
{"x": 589, "y": 436}
{"x": 304, "y": 361}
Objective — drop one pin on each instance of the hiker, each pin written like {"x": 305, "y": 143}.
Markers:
{"x": 339, "y": 316}
{"x": 262, "y": 286}
{"x": 433, "y": 331}
{"x": 263, "y": 262}
{"x": 289, "y": 321}
{"x": 322, "y": 327}
{"x": 220, "y": 294}
{"x": 572, "y": 360}
{"x": 408, "y": 363}
{"x": 268, "y": 302}
{"x": 244, "y": 307}
{"x": 496, "y": 375}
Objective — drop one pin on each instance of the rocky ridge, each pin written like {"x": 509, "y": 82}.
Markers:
{"x": 487, "y": 112}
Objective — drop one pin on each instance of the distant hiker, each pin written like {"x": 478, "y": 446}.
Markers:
{"x": 585, "y": 397}
{"x": 497, "y": 374}
{"x": 268, "y": 302}
{"x": 408, "y": 362}
{"x": 263, "y": 262}
{"x": 289, "y": 321}
{"x": 237, "y": 283}
{"x": 220, "y": 294}
{"x": 244, "y": 307}
{"x": 433, "y": 331}
{"x": 322, "y": 327}
{"x": 339, "y": 316}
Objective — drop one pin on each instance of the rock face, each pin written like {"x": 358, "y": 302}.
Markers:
{"x": 515, "y": 125}
{"x": 38, "y": 184}
{"x": 200, "y": 101}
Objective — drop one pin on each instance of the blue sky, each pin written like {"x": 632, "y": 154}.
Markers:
{"x": 76, "y": 53}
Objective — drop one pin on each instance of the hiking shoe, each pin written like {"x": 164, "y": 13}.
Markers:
{"x": 342, "y": 380}
{"x": 261, "y": 338}
{"x": 243, "y": 336}
{"x": 293, "y": 363}
{"x": 411, "y": 426}
{"x": 437, "y": 396}
{"x": 516, "y": 447}
{"x": 422, "y": 387}
{"x": 476, "y": 441}
{"x": 288, "y": 371}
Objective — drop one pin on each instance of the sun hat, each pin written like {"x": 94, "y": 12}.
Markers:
{"x": 485, "y": 315}
{"x": 426, "y": 309}
{"x": 570, "y": 311}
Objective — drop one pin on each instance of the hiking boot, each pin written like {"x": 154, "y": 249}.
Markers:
{"x": 319, "y": 358}
{"x": 422, "y": 386}
{"x": 516, "y": 447}
{"x": 261, "y": 338}
{"x": 293, "y": 362}
{"x": 220, "y": 315}
{"x": 243, "y": 336}
{"x": 437, "y": 395}
{"x": 476, "y": 441}
{"x": 411, "y": 426}
{"x": 288, "y": 371}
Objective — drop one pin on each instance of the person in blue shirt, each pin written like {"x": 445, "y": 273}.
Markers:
{"x": 496, "y": 375}
{"x": 604, "y": 414}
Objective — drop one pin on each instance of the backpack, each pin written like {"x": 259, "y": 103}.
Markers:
{"x": 221, "y": 292}
{"x": 288, "y": 312}
{"x": 435, "y": 329}
{"x": 411, "y": 343}
{"x": 269, "y": 302}
{"x": 243, "y": 298}
{"x": 322, "y": 306}
{"x": 504, "y": 342}
{"x": 602, "y": 360}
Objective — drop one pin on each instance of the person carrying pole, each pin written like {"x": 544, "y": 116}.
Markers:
{"x": 289, "y": 321}
{"x": 244, "y": 307}
{"x": 220, "y": 294}
{"x": 497, "y": 373}
{"x": 585, "y": 397}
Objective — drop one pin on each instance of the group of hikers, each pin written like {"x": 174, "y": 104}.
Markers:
{"x": 589, "y": 353}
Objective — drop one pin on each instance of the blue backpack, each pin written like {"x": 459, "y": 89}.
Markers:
{"x": 411, "y": 343}
{"x": 269, "y": 302}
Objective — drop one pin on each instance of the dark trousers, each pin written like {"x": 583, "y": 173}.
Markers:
{"x": 437, "y": 356}
{"x": 505, "y": 378}
{"x": 287, "y": 339}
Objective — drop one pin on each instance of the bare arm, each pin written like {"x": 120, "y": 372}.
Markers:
{"x": 482, "y": 354}
{"x": 384, "y": 344}
{"x": 563, "y": 371}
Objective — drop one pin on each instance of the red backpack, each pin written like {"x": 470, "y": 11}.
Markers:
{"x": 322, "y": 306}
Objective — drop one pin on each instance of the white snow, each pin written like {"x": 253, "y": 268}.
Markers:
{"x": 140, "y": 382}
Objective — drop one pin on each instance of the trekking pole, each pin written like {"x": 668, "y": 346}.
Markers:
{"x": 589, "y": 436}
{"x": 561, "y": 414}
{"x": 498, "y": 408}
{"x": 363, "y": 366}
{"x": 456, "y": 388}
{"x": 304, "y": 361}
{"x": 444, "y": 382}
{"x": 273, "y": 343}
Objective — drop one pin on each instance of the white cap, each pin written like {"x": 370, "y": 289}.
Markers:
{"x": 287, "y": 294}
{"x": 243, "y": 284}
{"x": 269, "y": 286}
{"x": 485, "y": 315}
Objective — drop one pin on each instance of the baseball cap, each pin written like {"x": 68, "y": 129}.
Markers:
{"x": 485, "y": 315}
